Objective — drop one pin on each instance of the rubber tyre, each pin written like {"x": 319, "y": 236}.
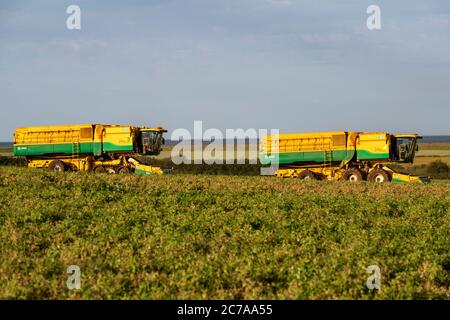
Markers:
{"x": 352, "y": 175}
{"x": 379, "y": 176}
{"x": 123, "y": 170}
{"x": 307, "y": 175}
{"x": 99, "y": 169}
{"x": 57, "y": 166}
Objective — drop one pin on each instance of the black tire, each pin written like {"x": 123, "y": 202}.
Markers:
{"x": 307, "y": 175}
{"x": 123, "y": 170}
{"x": 379, "y": 176}
{"x": 99, "y": 169}
{"x": 57, "y": 166}
{"x": 352, "y": 175}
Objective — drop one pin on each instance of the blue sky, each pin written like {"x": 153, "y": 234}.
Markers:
{"x": 292, "y": 65}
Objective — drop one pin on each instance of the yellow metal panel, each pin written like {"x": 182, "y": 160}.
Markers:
{"x": 118, "y": 135}
{"x": 51, "y": 134}
{"x": 376, "y": 142}
{"x": 312, "y": 141}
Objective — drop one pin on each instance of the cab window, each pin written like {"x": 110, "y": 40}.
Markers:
{"x": 151, "y": 142}
{"x": 402, "y": 148}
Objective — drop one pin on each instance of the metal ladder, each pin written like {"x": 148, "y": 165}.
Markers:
{"x": 327, "y": 160}
{"x": 328, "y": 157}
{"x": 76, "y": 153}
{"x": 76, "y": 149}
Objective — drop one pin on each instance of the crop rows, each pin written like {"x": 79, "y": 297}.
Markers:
{"x": 230, "y": 237}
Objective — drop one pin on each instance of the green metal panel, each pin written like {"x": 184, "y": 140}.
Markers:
{"x": 97, "y": 148}
{"x": 111, "y": 147}
{"x": 69, "y": 149}
{"x": 368, "y": 155}
{"x": 308, "y": 157}
{"x": 321, "y": 157}
{"x": 140, "y": 171}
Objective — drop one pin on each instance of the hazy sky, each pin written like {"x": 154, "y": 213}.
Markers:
{"x": 287, "y": 64}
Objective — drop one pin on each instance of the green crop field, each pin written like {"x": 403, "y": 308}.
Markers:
{"x": 195, "y": 237}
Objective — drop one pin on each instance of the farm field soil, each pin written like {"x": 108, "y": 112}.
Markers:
{"x": 428, "y": 159}
{"x": 434, "y": 146}
{"x": 6, "y": 152}
{"x": 220, "y": 237}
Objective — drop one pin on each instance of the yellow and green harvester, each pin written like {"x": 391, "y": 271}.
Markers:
{"x": 352, "y": 156}
{"x": 89, "y": 147}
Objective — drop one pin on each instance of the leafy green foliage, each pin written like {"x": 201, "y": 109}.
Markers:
{"x": 210, "y": 169}
{"x": 12, "y": 161}
{"x": 195, "y": 237}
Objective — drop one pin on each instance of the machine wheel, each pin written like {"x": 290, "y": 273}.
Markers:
{"x": 123, "y": 170}
{"x": 57, "y": 165}
{"x": 307, "y": 175}
{"x": 352, "y": 175}
{"x": 99, "y": 169}
{"x": 379, "y": 176}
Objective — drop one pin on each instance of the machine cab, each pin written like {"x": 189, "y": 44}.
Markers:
{"x": 151, "y": 140}
{"x": 404, "y": 147}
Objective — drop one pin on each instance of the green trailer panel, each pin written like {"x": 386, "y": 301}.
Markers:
{"x": 308, "y": 157}
{"x": 94, "y": 148}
